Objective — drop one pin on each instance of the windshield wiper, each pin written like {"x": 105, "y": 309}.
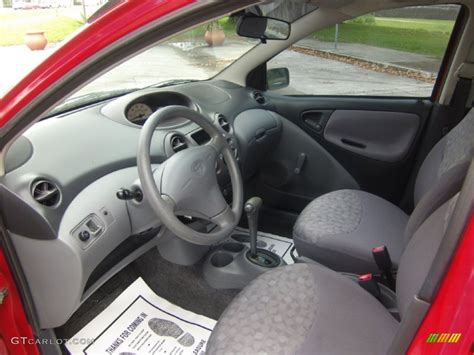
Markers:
{"x": 172, "y": 82}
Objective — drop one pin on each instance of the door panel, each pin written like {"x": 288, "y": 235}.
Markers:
{"x": 388, "y": 128}
{"x": 380, "y": 135}
{"x": 298, "y": 170}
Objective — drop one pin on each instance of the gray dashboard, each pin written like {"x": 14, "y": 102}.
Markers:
{"x": 76, "y": 162}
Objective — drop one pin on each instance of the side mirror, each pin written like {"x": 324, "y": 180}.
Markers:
{"x": 278, "y": 78}
{"x": 263, "y": 28}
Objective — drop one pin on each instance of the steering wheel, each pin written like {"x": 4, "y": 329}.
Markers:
{"x": 186, "y": 183}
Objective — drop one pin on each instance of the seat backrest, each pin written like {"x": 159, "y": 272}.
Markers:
{"x": 453, "y": 149}
{"x": 419, "y": 254}
{"x": 445, "y": 188}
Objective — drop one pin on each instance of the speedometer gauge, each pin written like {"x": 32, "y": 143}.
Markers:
{"x": 138, "y": 112}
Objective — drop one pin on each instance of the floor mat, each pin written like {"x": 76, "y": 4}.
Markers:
{"x": 140, "y": 322}
{"x": 182, "y": 285}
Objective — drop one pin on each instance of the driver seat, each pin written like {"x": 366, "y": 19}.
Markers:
{"x": 310, "y": 309}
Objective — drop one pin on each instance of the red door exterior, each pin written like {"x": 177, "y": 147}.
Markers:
{"x": 16, "y": 336}
{"x": 448, "y": 328}
{"x": 451, "y": 312}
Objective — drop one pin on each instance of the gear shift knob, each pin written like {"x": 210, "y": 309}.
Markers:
{"x": 251, "y": 208}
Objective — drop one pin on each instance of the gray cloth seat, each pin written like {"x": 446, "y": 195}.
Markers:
{"x": 311, "y": 309}
{"x": 286, "y": 310}
{"x": 339, "y": 229}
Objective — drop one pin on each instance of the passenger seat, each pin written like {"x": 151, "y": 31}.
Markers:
{"x": 340, "y": 228}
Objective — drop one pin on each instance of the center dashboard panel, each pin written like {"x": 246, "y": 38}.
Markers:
{"x": 82, "y": 158}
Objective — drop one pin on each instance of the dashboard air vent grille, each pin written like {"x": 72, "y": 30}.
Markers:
{"x": 258, "y": 96}
{"x": 45, "y": 192}
{"x": 178, "y": 143}
{"x": 222, "y": 120}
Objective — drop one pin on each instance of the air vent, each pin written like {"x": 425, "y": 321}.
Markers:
{"x": 178, "y": 143}
{"x": 258, "y": 96}
{"x": 222, "y": 120}
{"x": 45, "y": 193}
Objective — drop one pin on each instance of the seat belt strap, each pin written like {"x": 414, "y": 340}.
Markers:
{"x": 461, "y": 96}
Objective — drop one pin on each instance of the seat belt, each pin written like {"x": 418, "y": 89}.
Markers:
{"x": 462, "y": 96}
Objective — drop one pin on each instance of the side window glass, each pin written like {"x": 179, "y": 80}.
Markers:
{"x": 387, "y": 53}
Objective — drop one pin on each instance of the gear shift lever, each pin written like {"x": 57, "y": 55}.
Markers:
{"x": 251, "y": 208}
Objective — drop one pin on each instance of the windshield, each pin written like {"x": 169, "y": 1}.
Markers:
{"x": 198, "y": 54}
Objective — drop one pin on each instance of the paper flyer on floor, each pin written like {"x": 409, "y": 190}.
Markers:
{"x": 140, "y": 322}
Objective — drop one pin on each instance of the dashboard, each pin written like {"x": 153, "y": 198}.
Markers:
{"x": 65, "y": 174}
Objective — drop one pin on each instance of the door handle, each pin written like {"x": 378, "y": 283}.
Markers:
{"x": 316, "y": 119}
{"x": 353, "y": 143}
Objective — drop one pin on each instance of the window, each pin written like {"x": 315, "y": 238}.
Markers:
{"x": 388, "y": 53}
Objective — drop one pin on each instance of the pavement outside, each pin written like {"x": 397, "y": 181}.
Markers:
{"x": 309, "y": 74}
{"x": 376, "y": 54}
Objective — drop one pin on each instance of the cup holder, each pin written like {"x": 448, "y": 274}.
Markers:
{"x": 221, "y": 259}
{"x": 233, "y": 247}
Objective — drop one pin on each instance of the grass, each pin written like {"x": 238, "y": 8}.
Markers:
{"x": 445, "y": 26}
{"x": 428, "y": 37}
{"x": 14, "y": 25}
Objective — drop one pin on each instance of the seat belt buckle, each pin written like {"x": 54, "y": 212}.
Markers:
{"x": 383, "y": 261}
{"x": 368, "y": 283}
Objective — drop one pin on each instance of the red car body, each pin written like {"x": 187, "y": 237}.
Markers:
{"x": 453, "y": 307}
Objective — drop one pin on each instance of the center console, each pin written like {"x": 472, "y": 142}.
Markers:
{"x": 234, "y": 264}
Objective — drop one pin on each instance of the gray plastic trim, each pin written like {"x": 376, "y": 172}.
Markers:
{"x": 408, "y": 326}
{"x": 178, "y": 251}
{"x": 236, "y": 274}
{"x": 15, "y": 211}
{"x": 257, "y": 132}
{"x": 57, "y": 270}
{"x": 20, "y": 152}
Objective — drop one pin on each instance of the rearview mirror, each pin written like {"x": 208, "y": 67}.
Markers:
{"x": 263, "y": 28}
{"x": 278, "y": 78}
